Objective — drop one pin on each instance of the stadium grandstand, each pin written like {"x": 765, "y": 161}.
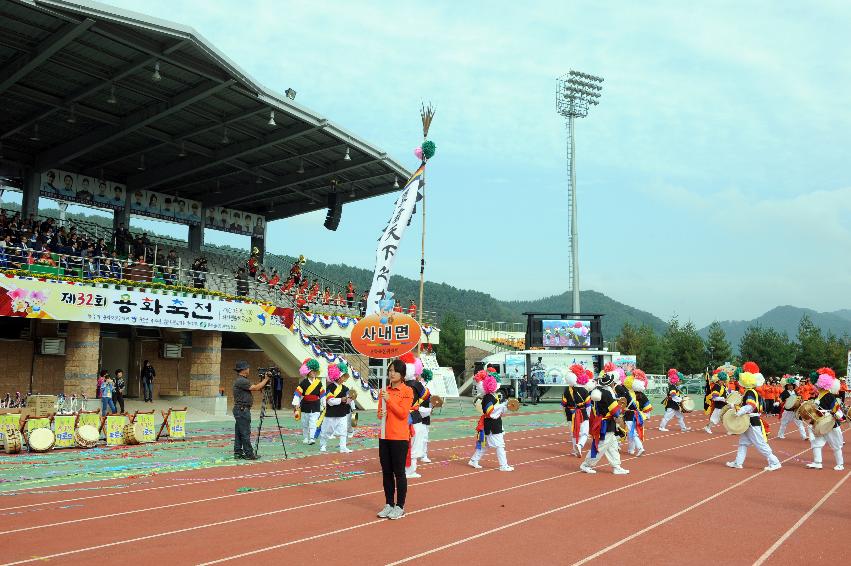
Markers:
{"x": 135, "y": 116}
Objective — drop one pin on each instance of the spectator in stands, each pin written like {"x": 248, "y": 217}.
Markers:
{"x": 199, "y": 276}
{"x": 340, "y": 302}
{"x": 138, "y": 247}
{"x": 263, "y": 278}
{"x": 295, "y": 272}
{"x": 171, "y": 266}
{"x": 350, "y": 294}
{"x": 326, "y": 296}
{"x": 314, "y": 292}
{"x": 46, "y": 259}
{"x": 253, "y": 263}
{"x": 412, "y": 308}
{"x": 241, "y": 283}
{"x": 288, "y": 286}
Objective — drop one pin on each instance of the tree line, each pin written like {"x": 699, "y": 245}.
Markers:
{"x": 681, "y": 346}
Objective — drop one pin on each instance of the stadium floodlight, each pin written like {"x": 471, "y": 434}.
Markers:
{"x": 271, "y": 123}
{"x": 347, "y": 157}
{"x": 290, "y": 93}
{"x": 576, "y": 92}
{"x": 156, "y": 76}
{"x": 112, "y": 99}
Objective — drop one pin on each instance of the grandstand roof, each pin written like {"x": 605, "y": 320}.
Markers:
{"x": 59, "y": 62}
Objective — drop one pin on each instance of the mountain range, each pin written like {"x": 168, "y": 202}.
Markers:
{"x": 786, "y": 319}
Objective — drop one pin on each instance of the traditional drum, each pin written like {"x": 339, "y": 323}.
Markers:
{"x": 436, "y": 401}
{"x": 354, "y": 420}
{"x": 823, "y": 424}
{"x": 133, "y": 433}
{"x": 808, "y": 412}
{"x": 13, "y": 439}
{"x": 687, "y": 404}
{"x": 41, "y": 440}
{"x": 734, "y": 398}
{"x": 86, "y": 436}
{"x": 353, "y": 394}
{"x": 513, "y": 405}
{"x": 792, "y": 403}
{"x": 735, "y": 424}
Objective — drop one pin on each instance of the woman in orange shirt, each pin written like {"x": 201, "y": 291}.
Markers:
{"x": 393, "y": 446}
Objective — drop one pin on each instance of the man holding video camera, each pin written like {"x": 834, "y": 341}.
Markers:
{"x": 242, "y": 401}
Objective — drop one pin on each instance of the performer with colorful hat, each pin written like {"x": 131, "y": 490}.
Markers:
{"x": 789, "y": 415}
{"x": 717, "y": 399}
{"x": 576, "y": 403}
{"x": 338, "y": 406}
{"x": 414, "y": 368}
{"x": 425, "y": 411}
{"x": 756, "y": 434}
{"x": 604, "y": 430}
{"x": 489, "y": 429}
{"x": 672, "y": 402}
{"x": 637, "y": 411}
{"x": 828, "y": 404}
{"x": 309, "y": 399}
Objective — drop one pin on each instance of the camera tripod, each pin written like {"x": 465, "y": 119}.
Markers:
{"x": 267, "y": 400}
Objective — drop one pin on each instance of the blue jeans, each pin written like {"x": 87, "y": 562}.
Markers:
{"x": 107, "y": 402}
{"x": 148, "y": 388}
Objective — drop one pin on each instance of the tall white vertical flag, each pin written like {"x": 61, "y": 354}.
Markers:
{"x": 391, "y": 237}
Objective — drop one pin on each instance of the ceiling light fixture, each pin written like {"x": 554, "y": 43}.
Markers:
{"x": 352, "y": 193}
{"x": 72, "y": 116}
{"x": 271, "y": 123}
{"x": 141, "y": 166}
{"x": 396, "y": 183}
{"x": 35, "y": 136}
{"x": 259, "y": 180}
{"x": 347, "y": 157}
{"x": 156, "y": 76}
{"x": 300, "y": 167}
{"x": 218, "y": 190}
{"x": 182, "y": 149}
{"x": 225, "y": 138}
{"x": 271, "y": 207}
{"x": 111, "y": 99}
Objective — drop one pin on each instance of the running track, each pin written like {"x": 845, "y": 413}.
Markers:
{"x": 679, "y": 503}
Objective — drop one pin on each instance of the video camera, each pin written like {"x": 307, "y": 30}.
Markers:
{"x": 272, "y": 372}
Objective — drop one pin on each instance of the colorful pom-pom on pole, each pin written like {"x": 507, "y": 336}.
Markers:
{"x": 429, "y": 148}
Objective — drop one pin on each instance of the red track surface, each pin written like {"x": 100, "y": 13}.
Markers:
{"x": 667, "y": 511}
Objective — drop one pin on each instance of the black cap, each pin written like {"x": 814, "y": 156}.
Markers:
{"x": 241, "y": 365}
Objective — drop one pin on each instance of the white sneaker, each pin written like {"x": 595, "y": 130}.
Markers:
{"x": 413, "y": 475}
{"x": 630, "y": 452}
{"x": 351, "y": 435}
{"x": 305, "y": 441}
{"x": 839, "y": 467}
{"x": 425, "y": 460}
{"x": 772, "y": 467}
{"x": 474, "y": 465}
{"x": 587, "y": 470}
{"x": 311, "y": 442}
{"x": 396, "y": 513}
{"x": 345, "y": 450}
{"x": 579, "y": 452}
{"x": 734, "y": 465}
{"x": 707, "y": 430}
{"x": 639, "y": 453}
{"x": 664, "y": 430}
{"x": 781, "y": 438}
{"x": 323, "y": 448}
{"x": 687, "y": 429}
{"x": 506, "y": 469}
{"x": 384, "y": 513}
{"x": 814, "y": 465}
{"x": 620, "y": 471}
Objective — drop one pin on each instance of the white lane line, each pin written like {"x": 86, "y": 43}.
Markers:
{"x": 307, "y": 505}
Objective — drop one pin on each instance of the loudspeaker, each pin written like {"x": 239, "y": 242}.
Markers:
{"x": 335, "y": 211}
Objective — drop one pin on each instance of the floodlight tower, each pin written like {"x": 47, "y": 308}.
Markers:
{"x": 575, "y": 93}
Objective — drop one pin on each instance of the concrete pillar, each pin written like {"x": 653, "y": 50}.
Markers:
{"x": 29, "y": 202}
{"x": 196, "y": 237}
{"x": 204, "y": 376}
{"x": 82, "y": 351}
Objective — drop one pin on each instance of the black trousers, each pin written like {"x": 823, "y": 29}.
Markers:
{"x": 276, "y": 398}
{"x": 118, "y": 399}
{"x": 393, "y": 454}
{"x": 242, "y": 434}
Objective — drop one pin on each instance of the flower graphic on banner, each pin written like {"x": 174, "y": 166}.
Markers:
{"x": 21, "y": 302}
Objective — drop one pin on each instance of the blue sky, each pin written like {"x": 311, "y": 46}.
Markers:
{"x": 713, "y": 177}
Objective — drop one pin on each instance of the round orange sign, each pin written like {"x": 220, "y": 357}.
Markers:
{"x": 387, "y": 336}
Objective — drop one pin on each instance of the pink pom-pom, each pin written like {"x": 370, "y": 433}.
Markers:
{"x": 589, "y": 374}
{"x": 581, "y": 378}
{"x": 621, "y": 374}
{"x": 418, "y": 367}
{"x": 480, "y": 376}
{"x": 303, "y": 370}
{"x": 824, "y": 381}
{"x": 577, "y": 324}
{"x": 673, "y": 378}
{"x": 490, "y": 384}
{"x": 609, "y": 367}
{"x": 333, "y": 372}
{"x": 640, "y": 375}
{"x": 827, "y": 371}
{"x": 418, "y": 153}
{"x": 672, "y": 371}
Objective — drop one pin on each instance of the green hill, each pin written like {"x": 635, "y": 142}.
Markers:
{"x": 786, "y": 319}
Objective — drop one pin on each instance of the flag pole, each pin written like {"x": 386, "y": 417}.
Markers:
{"x": 427, "y": 115}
